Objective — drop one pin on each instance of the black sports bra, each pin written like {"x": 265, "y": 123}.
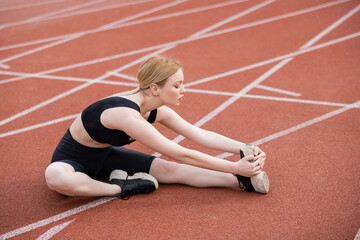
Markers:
{"x": 91, "y": 120}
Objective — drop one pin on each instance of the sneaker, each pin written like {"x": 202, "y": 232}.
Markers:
{"x": 258, "y": 183}
{"x": 130, "y": 185}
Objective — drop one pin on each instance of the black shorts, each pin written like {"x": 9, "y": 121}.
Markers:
{"x": 98, "y": 163}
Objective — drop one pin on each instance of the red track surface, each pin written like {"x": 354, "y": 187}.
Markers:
{"x": 313, "y": 149}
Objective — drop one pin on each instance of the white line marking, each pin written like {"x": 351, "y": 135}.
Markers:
{"x": 31, "y": 5}
{"x": 268, "y": 98}
{"x": 331, "y": 27}
{"x": 201, "y": 32}
{"x": 60, "y": 216}
{"x": 26, "y": 129}
{"x": 217, "y": 76}
{"x": 38, "y": 224}
{"x": 280, "y": 99}
{"x": 298, "y": 127}
{"x": 232, "y": 18}
{"x": 54, "y": 230}
{"x": 56, "y": 217}
{"x": 78, "y": 35}
{"x": 97, "y": 9}
{"x": 357, "y": 237}
{"x": 180, "y": 13}
{"x": 104, "y": 200}
{"x": 156, "y": 9}
{"x": 272, "y": 60}
{"x": 33, "y": 19}
{"x": 276, "y": 18}
{"x": 276, "y": 59}
{"x": 53, "y": 99}
{"x": 121, "y": 75}
{"x": 278, "y": 90}
{"x": 76, "y": 79}
{"x": 305, "y": 124}
{"x": 4, "y": 66}
{"x": 171, "y": 43}
{"x": 66, "y": 93}
{"x": 263, "y": 77}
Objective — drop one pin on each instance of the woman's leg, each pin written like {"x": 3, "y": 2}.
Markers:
{"x": 62, "y": 178}
{"x": 171, "y": 172}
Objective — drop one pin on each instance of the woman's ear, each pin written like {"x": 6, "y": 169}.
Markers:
{"x": 154, "y": 89}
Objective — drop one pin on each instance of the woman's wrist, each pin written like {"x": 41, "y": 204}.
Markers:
{"x": 232, "y": 167}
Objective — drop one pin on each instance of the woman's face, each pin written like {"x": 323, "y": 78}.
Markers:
{"x": 173, "y": 90}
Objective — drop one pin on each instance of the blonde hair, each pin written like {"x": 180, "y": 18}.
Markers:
{"x": 156, "y": 69}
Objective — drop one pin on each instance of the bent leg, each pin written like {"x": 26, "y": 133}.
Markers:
{"x": 62, "y": 178}
{"x": 171, "y": 172}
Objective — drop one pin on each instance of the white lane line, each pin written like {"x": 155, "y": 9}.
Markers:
{"x": 75, "y": 79}
{"x": 217, "y": 76}
{"x": 332, "y": 27}
{"x": 306, "y": 47}
{"x": 299, "y": 126}
{"x": 115, "y": 71}
{"x": 56, "y": 217}
{"x": 270, "y": 98}
{"x": 104, "y": 200}
{"x": 53, "y": 99}
{"x": 291, "y": 100}
{"x": 44, "y": 124}
{"x": 276, "y": 18}
{"x": 277, "y": 90}
{"x": 232, "y": 18}
{"x": 199, "y": 33}
{"x": 357, "y": 237}
{"x": 306, "y": 124}
{"x": 30, "y": 5}
{"x": 170, "y": 43}
{"x": 144, "y": 13}
{"x": 161, "y": 17}
{"x": 196, "y": 82}
{"x": 47, "y": 102}
{"x": 64, "y": 94}
{"x": 78, "y": 35}
{"x": 284, "y": 62}
{"x": 231, "y": 72}
{"x": 276, "y": 59}
{"x": 54, "y": 230}
{"x": 97, "y": 9}
{"x": 262, "y": 78}
{"x": 33, "y": 19}
{"x": 4, "y": 66}
{"x": 121, "y": 75}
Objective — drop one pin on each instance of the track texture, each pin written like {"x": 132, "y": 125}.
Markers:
{"x": 283, "y": 74}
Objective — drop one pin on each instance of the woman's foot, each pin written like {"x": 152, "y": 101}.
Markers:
{"x": 130, "y": 185}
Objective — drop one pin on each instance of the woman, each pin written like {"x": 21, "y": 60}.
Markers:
{"x": 91, "y": 150}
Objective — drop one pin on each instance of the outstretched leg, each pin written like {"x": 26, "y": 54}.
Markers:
{"x": 62, "y": 178}
{"x": 171, "y": 172}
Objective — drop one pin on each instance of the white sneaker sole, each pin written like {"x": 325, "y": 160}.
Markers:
{"x": 120, "y": 174}
{"x": 260, "y": 182}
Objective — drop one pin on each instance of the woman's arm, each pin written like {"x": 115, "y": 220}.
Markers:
{"x": 172, "y": 120}
{"x": 138, "y": 128}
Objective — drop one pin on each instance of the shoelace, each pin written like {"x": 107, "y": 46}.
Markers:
{"x": 119, "y": 195}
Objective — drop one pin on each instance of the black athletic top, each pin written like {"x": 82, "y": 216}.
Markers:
{"x": 91, "y": 120}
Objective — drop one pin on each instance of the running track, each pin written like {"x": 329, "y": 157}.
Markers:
{"x": 283, "y": 74}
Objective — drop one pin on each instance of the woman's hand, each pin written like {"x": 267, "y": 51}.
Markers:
{"x": 259, "y": 153}
{"x": 247, "y": 168}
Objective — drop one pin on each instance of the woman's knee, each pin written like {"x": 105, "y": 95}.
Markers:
{"x": 165, "y": 171}
{"x": 57, "y": 176}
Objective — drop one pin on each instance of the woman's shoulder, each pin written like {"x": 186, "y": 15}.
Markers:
{"x": 165, "y": 112}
